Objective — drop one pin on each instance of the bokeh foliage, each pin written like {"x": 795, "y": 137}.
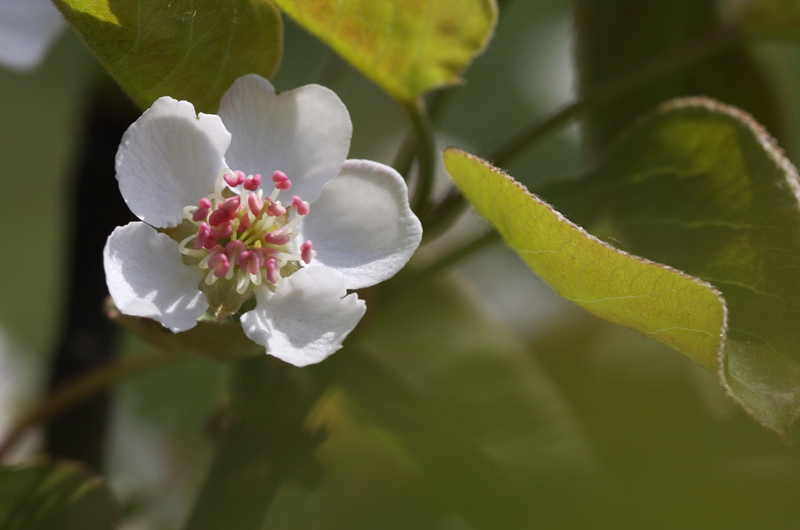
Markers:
{"x": 436, "y": 415}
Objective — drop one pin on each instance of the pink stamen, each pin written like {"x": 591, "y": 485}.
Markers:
{"x": 244, "y": 223}
{"x": 223, "y": 231}
{"x": 250, "y": 261}
{"x": 306, "y": 251}
{"x": 202, "y": 210}
{"x": 231, "y": 205}
{"x": 300, "y": 205}
{"x": 267, "y": 253}
{"x": 231, "y": 179}
{"x": 220, "y": 263}
{"x": 275, "y": 209}
{"x": 277, "y": 237}
{"x": 281, "y": 181}
{"x": 255, "y": 204}
{"x": 203, "y": 235}
{"x": 234, "y": 249}
{"x": 253, "y": 182}
{"x": 219, "y": 217}
{"x": 272, "y": 270}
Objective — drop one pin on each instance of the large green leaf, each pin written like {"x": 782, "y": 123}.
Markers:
{"x": 187, "y": 49}
{"x": 703, "y": 187}
{"x": 615, "y": 37}
{"x": 661, "y": 302}
{"x": 408, "y": 47}
{"x": 59, "y": 497}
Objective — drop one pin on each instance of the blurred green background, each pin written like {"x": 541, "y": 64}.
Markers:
{"x": 480, "y": 400}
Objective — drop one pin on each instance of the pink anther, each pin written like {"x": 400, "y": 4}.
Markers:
{"x": 255, "y": 204}
{"x": 281, "y": 181}
{"x": 219, "y": 217}
{"x": 203, "y": 235}
{"x": 231, "y": 179}
{"x": 253, "y": 182}
{"x": 220, "y": 263}
{"x": 275, "y": 209}
{"x": 306, "y": 251}
{"x": 250, "y": 261}
{"x": 234, "y": 249}
{"x": 277, "y": 237}
{"x": 300, "y": 205}
{"x": 244, "y": 223}
{"x": 267, "y": 252}
{"x": 272, "y": 270}
{"x": 202, "y": 210}
{"x": 223, "y": 231}
{"x": 231, "y": 205}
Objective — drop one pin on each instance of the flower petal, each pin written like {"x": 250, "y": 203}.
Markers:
{"x": 362, "y": 225}
{"x": 168, "y": 159}
{"x": 304, "y": 132}
{"x": 27, "y": 30}
{"x": 306, "y": 319}
{"x": 146, "y": 277}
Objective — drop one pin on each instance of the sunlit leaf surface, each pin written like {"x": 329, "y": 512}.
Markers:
{"x": 187, "y": 49}
{"x": 659, "y": 301}
{"x": 408, "y": 47}
{"x": 58, "y": 497}
{"x": 702, "y": 187}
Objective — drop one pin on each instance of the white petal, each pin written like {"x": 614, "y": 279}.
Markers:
{"x": 146, "y": 277}
{"x": 306, "y": 319}
{"x": 27, "y": 30}
{"x": 168, "y": 159}
{"x": 362, "y": 225}
{"x": 304, "y": 132}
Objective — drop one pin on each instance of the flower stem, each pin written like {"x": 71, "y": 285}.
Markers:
{"x": 465, "y": 251}
{"x": 263, "y": 444}
{"x": 426, "y": 156}
{"x": 82, "y": 387}
{"x": 709, "y": 45}
{"x": 700, "y": 49}
{"x": 437, "y": 103}
{"x": 331, "y": 69}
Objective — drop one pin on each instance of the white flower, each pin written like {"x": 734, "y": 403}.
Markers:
{"x": 236, "y": 235}
{"x": 27, "y": 30}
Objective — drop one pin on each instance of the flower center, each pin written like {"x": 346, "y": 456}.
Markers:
{"x": 242, "y": 234}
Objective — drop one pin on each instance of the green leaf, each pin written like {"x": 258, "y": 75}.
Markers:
{"x": 615, "y": 37}
{"x": 187, "y": 49}
{"x": 659, "y": 301}
{"x": 703, "y": 187}
{"x": 55, "y": 497}
{"x": 769, "y": 18}
{"x": 407, "y": 47}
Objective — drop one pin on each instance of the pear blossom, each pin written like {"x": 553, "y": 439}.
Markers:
{"x": 256, "y": 212}
{"x": 27, "y": 30}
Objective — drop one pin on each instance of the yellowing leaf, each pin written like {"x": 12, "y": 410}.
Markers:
{"x": 187, "y": 49}
{"x": 408, "y": 47}
{"x": 663, "y": 303}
